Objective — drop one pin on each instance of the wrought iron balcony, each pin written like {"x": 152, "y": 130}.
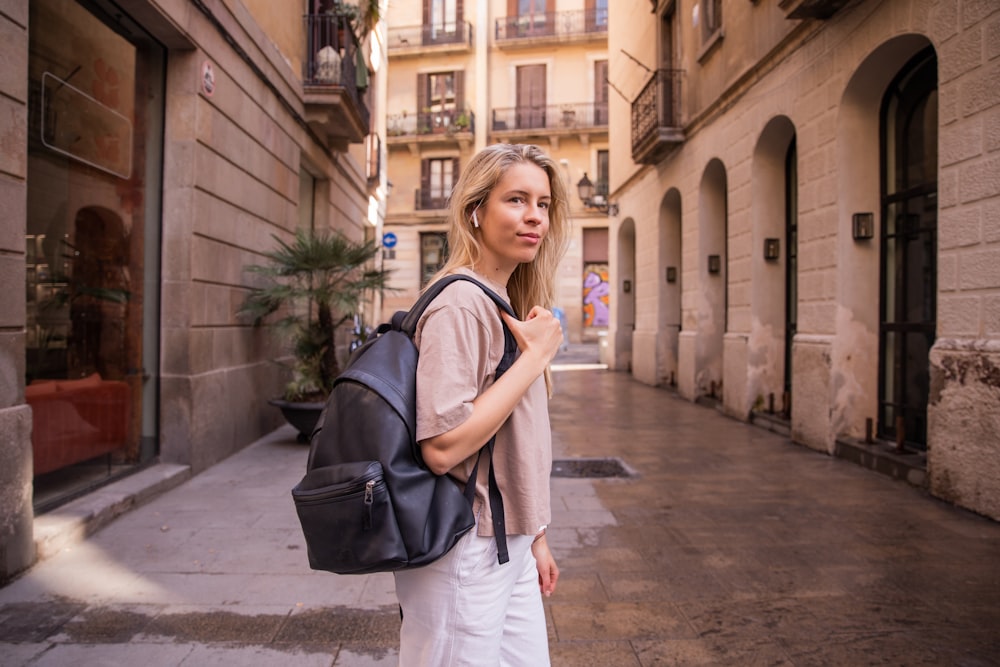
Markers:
{"x": 561, "y": 26}
{"x": 331, "y": 81}
{"x": 580, "y": 116}
{"x": 423, "y": 39}
{"x": 448, "y": 122}
{"x": 656, "y": 123}
{"x": 430, "y": 199}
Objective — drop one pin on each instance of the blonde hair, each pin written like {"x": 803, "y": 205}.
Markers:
{"x": 532, "y": 283}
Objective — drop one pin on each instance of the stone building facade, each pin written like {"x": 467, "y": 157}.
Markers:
{"x": 809, "y": 200}
{"x": 469, "y": 73}
{"x": 150, "y": 152}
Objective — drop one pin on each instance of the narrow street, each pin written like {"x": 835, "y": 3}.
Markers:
{"x": 724, "y": 545}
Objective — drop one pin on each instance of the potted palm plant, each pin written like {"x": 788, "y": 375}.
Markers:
{"x": 318, "y": 282}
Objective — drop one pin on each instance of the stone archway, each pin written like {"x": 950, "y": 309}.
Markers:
{"x": 624, "y": 300}
{"x": 670, "y": 288}
{"x": 772, "y": 297}
{"x": 712, "y": 281}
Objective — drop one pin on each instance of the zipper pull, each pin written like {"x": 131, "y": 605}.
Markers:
{"x": 369, "y": 502}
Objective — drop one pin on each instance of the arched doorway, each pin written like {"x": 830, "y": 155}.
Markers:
{"x": 713, "y": 281}
{"x": 669, "y": 322}
{"x": 625, "y": 300}
{"x": 908, "y": 312}
{"x": 773, "y": 269}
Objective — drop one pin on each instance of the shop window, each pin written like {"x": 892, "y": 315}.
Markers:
{"x": 95, "y": 128}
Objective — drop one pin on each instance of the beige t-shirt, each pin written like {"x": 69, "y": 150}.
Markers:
{"x": 460, "y": 338}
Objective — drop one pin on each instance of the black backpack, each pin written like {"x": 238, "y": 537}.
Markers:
{"x": 367, "y": 502}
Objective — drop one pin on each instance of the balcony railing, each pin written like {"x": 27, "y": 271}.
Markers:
{"x": 578, "y": 116}
{"x": 430, "y": 199}
{"x": 449, "y": 122}
{"x": 332, "y": 59}
{"x": 656, "y": 124}
{"x": 409, "y": 37}
{"x": 552, "y": 24}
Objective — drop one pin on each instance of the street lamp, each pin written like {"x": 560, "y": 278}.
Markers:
{"x": 585, "y": 189}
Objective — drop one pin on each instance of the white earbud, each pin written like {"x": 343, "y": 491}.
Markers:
{"x": 475, "y": 220}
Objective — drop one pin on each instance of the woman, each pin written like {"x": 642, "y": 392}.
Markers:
{"x": 508, "y": 228}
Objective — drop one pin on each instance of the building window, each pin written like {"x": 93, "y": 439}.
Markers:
{"x": 443, "y": 22}
{"x": 530, "y": 96}
{"x": 597, "y": 15}
{"x": 433, "y": 255}
{"x": 439, "y": 98}
{"x": 437, "y": 176}
{"x": 601, "y": 186}
{"x": 711, "y": 19}
{"x": 600, "y": 92}
{"x": 531, "y": 18}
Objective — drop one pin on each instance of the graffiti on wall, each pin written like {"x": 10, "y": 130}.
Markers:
{"x": 596, "y": 295}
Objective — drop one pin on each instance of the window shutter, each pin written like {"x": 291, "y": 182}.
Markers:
{"x": 459, "y": 14}
{"x": 423, "y": 92}
{"x": 425, "y": 184}
{"x": 512, "y": 8}
{"x": 460, "y": 91}
{"x": 427, "y": 12}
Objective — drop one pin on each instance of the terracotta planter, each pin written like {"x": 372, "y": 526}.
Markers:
{"x": 303, "y": 416}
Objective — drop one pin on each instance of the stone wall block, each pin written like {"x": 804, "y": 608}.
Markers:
{"x": 11, "y": 368}
{"x": 979, "y": 270}
{"x": 974, "y": 11}
{"x": 17, "y": 546}
{"x": 811, "y": 394}
{"x": 960, "y": 141}
{"x": 958, "y": 316}
{"x": 979, "y": 180}
{"x": 960, "y": 54}
{"x": 948, "y": 188}
{"x": 14, "y": 203}
{"x": 12, "y": 300}
{"x": 991, "y": 214}
{"x": 963, "y": 465}
{"x": 947, "y": 275}
{"x": 13, "y": 137}
{"x": 978, "y": 90}
{"x": 992, "y": 39}
{"x": 14, "y": 56}
{"x": 960, "y": 227}
{"x": 991, "y": 316}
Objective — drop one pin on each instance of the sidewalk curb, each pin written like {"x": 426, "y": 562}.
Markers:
{"x": 71, "y": 523}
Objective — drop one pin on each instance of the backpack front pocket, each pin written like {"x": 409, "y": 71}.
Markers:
{"x": 347, "y": 518}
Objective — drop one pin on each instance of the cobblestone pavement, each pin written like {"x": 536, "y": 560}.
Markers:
{"x": 728, "y": 545}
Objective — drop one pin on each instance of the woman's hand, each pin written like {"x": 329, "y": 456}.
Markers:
{"x": 538, "y": 336}
{"x": 548, "y": 571}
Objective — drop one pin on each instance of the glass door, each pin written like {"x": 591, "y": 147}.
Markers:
{"x": 94, "y": 161}
{"x": 909, "y": 252}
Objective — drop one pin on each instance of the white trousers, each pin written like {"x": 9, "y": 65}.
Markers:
{"x": 466, "y": 609}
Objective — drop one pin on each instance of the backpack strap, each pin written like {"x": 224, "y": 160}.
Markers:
{"x": 407, "y": 323}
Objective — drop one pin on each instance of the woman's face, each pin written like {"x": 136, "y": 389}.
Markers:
{"x": 515, "y": 219}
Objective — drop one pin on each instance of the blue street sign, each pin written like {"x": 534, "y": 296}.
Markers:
{"x": 389, "y": 240}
